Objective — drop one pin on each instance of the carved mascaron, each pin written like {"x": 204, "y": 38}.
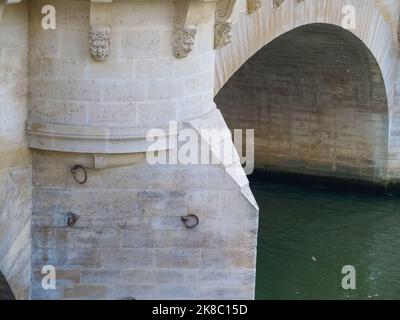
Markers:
{"x": 99, "y": 42}
{"x": 183, "y": 41}
{"x": 222, "y": 35}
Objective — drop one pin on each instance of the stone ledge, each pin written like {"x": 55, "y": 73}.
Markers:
{"x": 4, "y": 2}
{"x": 65, "y": 138}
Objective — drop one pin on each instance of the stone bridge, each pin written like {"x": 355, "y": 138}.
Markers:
{"x": 76, "y": 189}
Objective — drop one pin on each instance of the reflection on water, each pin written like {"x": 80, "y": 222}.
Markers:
{"x": 307, "y": 235}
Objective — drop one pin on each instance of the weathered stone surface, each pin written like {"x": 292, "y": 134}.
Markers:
{"x": 313, "y": 113}
{"x": 129, "y": 241}
{"x": 15, "y": 158}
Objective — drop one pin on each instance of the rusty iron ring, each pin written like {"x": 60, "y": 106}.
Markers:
{"x": 72, "y": 218}
{"x": 74, "y": 171}
{"x": 191, "y": 221}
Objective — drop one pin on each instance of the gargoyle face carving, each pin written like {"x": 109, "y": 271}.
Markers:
{"x": 99, "y": 41}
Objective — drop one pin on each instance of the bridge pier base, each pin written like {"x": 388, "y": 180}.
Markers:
{"x": 129, "y": 241}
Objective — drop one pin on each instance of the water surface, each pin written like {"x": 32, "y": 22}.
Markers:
{"x": 306, "y": 236}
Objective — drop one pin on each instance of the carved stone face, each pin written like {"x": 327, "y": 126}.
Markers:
{"x": 99, "y": 42}
{"x": 222, "y": 34}
{"x": 183, "y": 41}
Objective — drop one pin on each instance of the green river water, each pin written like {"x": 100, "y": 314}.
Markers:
{"x": 306, "y": 235}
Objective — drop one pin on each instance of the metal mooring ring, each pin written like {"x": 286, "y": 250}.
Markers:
{"x": 74, "y": 172}
{"x": 191, "y": 221}
{"x": 72, "y": 218}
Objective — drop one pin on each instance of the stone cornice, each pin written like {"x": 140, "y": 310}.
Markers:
{"x": 5, "y": 2}
{"x": 84, "y": 139}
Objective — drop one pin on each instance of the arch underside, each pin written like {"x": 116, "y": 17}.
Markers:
{"x": 318, "y": 103}
{"x": 250, "y": 33}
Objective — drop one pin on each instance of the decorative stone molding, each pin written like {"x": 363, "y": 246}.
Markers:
{"x": 99, "y": 42}
{"x": 86, "y": 139}
{"x": 5, "y": 2}
{"x": 106, "y": 161}
{"x": 188, "y": 15}
{"x": 253, "y": 6}
{"x": 223, "y": 27}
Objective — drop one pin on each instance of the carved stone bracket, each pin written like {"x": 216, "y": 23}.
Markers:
{"x": 223, "y": 27}
{"x": 189, "y": 14}
{"x": 100, "y": 30}
{"x": 5, "y": 2}
{"x": 253, "y": 6}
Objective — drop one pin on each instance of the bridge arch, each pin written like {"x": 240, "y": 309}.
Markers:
{"x": 317, "y": 98}
{"x": 375, "y": 27}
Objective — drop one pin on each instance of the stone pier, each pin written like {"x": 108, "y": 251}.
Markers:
{"x": 77, "y": 192}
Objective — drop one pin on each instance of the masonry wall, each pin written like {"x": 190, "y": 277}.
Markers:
{"x": 316, "y": 99}
{"x": 15, "y": 158}
{"x": 394, "y": 145}
{"x": 140, "y": 86}
{"x": 129, "y": 241}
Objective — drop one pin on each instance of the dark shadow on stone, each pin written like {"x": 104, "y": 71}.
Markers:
{"x": 316, "y": 99}
{"x": 327, "y": 182}
{"x": 5, "y": 290}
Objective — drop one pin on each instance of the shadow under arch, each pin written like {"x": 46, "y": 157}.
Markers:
{"x": 5, "y": 290}
{"x": 250, "y": 33}
{"x": 317, "y": 100}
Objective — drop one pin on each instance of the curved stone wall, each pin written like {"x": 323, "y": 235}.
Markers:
{"x": 80, "y": 104}
{"x": 316, "y": 99}
{"x": 110, "y": 71}
{"x": 129, "y": 241}
{"x": 15, "y": 157}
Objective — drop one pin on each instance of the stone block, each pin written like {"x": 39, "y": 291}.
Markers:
{"x": 127, "y": 258}
{"x": 140, "y": 44}
{"x": 94, "y": 276}
{"x": 177, "y": 258}
{"x": 85, "y": 292}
